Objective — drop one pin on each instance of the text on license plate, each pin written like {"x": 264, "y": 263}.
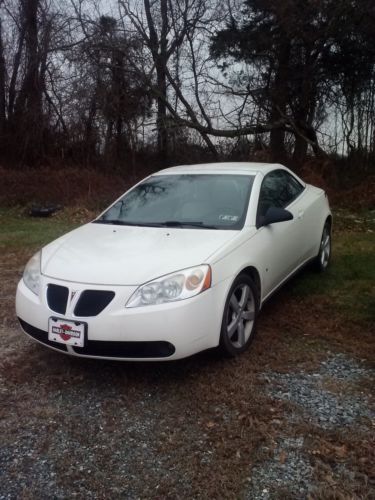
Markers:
{"x": 66, "y": 332}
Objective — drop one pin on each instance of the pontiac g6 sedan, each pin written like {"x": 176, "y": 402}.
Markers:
{"x": 180, "y": 263}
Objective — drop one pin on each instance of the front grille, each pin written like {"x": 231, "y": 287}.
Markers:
{"x": 92, "y": 302}
{"x": 57, "y": 298}
{"x": 152, "y": 349}
{"x": 40, "y": 335}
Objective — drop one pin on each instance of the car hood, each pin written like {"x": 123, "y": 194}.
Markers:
{"x": 128, "y": 255}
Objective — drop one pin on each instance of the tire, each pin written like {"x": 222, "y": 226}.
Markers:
{"x": 323, "y": 258}
{"x": 239, "y": 317}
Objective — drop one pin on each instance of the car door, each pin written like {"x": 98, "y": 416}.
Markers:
{"x": 281, "y": 242}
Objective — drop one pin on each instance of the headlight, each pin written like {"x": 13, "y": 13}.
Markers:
{"x": 177, "y": 286}
{"x": 31, "y": 274}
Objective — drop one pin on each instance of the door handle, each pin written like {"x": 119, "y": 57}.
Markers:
{"x": 300, "y": 214}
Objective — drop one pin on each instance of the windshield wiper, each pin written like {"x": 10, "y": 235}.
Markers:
{"x": 118, "y": 222}
{"x": 167, "y": 223}
{"x": 176, "y": 223}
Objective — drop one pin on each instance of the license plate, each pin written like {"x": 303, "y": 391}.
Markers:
{"x": 66, "y": 332}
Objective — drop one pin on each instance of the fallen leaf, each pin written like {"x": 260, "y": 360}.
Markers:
{"x": 282, "y": 457}
{"x": 341, "y": 451}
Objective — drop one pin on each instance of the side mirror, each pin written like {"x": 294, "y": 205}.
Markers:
{"x": 274, "y": 215}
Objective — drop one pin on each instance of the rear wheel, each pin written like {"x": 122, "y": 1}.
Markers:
{"x": 239, "y": 317}
{"x": 324, "y": 256}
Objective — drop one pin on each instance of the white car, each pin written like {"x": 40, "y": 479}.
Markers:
{"x": 180, "y": 263}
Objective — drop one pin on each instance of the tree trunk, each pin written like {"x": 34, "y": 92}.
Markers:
{"x": 279, "y": 97}
{"x": 28, "y": 107}
{"x": 15, "y": 69}
{"x": 90, "y": 140}
{"x": 29, "y": 99}
{"x": 158, "y": 46}
{"x": 119, "y": 139}
{"x": 300, "y": 151}
{"x": 277, "y": 138}
{"x": 161, "y": 120}
{"x": 2, "y": 85}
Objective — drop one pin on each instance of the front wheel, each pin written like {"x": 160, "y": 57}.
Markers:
{"x": 239, "y": 317}
{"x": 325, "y": 249}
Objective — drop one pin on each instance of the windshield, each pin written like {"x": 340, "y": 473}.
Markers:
{"x": 207, "y": 201}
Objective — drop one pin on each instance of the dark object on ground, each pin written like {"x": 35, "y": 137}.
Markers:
{"x": 44, "y": 211}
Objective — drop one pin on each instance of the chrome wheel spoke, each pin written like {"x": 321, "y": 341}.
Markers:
{"x": 245, "y": 292}
{"x": 325, "y": 248}
{"x": 232, "y": 327}
{"x": 234, "y": 303}
{"x": 241, "y": 334}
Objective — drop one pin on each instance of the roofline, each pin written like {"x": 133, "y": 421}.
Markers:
{"x": 253, "y": 168}
{"x": 230, "y": 166}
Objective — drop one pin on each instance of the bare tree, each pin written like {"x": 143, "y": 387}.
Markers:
{"x": 165, "y": 27}
{"x": 83, "y": 82}
{"x": 2, "y": 83}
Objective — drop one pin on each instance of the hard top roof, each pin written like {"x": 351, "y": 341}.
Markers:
{"x": 222, "y": 167}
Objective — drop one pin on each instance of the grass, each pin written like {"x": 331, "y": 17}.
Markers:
{"x": 20, "y": 231}
{"x": 210, "y": 420}
{"x": 349, "y": 283}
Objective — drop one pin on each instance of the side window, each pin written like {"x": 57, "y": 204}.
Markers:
{"x": 279, "y": 188}
{"x": 269, "y": 193}
{"x": 294, "y": 188}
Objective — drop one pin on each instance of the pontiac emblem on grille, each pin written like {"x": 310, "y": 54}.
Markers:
{"x": 72, "y": 295}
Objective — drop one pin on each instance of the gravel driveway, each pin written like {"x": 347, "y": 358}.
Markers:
{"x": 199, "y": 428}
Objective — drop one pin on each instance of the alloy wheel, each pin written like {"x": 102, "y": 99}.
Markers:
{"x": 325, "y": 247}
{"x": 240, "y": 315}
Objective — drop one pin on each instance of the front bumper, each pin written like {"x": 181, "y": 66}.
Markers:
{"x": 166, "y": 331}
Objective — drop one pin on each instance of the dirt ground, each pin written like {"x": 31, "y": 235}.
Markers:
{"x": 292, "y": 418}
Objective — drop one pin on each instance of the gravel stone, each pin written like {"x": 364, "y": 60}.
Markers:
{"x": 319, "y": 405}
{"x": 290, "y": 467}
{"x": 80, "y": 429}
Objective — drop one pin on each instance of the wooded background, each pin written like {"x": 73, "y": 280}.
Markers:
{"x": 116, "y": 84}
